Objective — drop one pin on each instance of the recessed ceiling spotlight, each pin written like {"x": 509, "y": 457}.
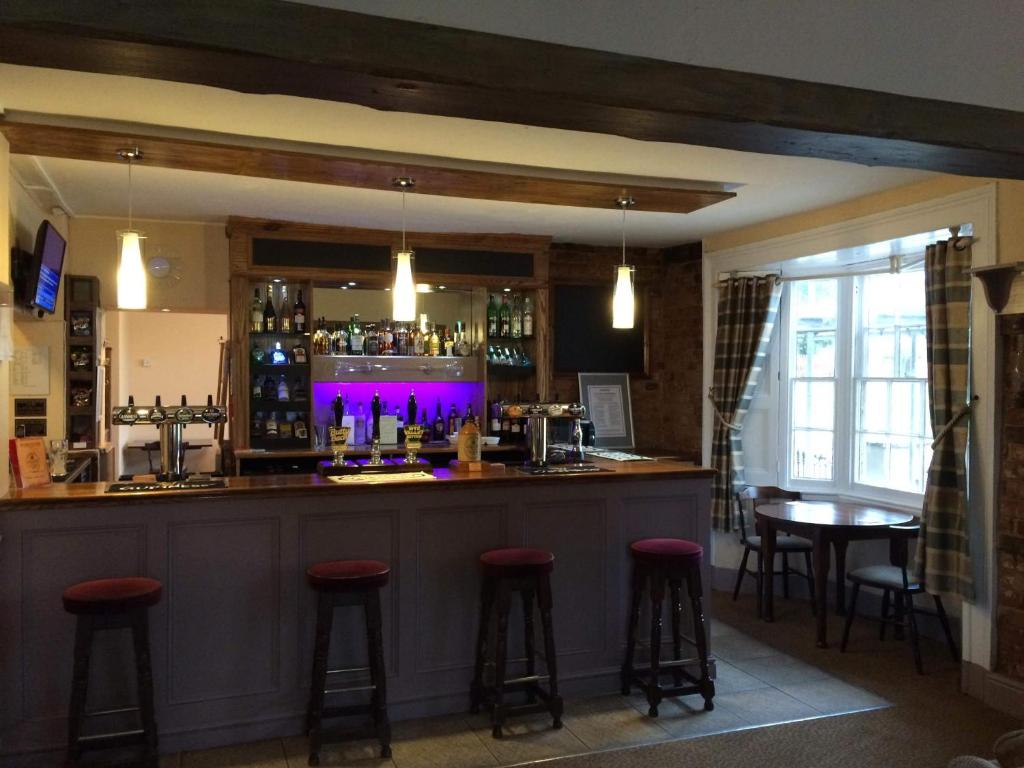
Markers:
{"x": 424, "y": 288}
{"x": 387, "y": 289}
{"x": 344, "y": 287}
{"x": 165, "y": 309}
{"x": 440, "y": 287}
{"x": 351, "y": 282}
{"x": 507, "y": 290}
{"x": 278, "y": 280}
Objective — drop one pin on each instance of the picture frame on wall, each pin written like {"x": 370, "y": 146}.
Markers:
{"x": 606, "y": 398}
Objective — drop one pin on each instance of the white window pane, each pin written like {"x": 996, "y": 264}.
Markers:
{"x": 902, "y": 408}
{"x": 888, "y": 461}
{"x": 888, "y": 300}
{"x": 879, "y": 345}
{"x": 815, "y": 354}
{"x": 874, "y": 406}
{"x": 814, "y": 304}
{"x": 813, "y": 455}
{"x": 913, "y": 353}
{"x": 814, "y": 404}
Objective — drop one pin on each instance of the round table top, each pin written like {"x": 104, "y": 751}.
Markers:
{"x": 833, "y": 513}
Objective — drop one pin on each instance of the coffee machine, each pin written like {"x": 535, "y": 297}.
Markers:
{"x": 171, "y": 422}
{"x": 538, "y": 417}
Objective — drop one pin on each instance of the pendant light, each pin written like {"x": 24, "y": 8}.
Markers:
{"x": 623, "y": 301}
{"x": 403, "y": 292}
{"x": 131, "y": 274}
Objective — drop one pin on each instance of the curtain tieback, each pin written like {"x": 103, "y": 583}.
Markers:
{"x": 718, "y": 413}
{"x": 964, "y": 410}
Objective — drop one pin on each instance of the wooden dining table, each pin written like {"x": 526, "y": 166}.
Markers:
{"x": 828, "y": 525}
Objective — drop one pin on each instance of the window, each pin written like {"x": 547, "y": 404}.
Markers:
{"x": 856, "y": 369}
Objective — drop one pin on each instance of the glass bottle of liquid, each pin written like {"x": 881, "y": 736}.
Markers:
{"x": 257, "y": 424}
{"x": 449, "y": 343}
{"x": 285, "y": 315}
{"x": 360, "y": 425}
{"x": 454, "y": 422}
{"x": 468, "y": 416}
{"x": 257, "y": 388}
{"x": 516, "y": 425}
{"x": 270, "y": 426}
{"x": 282, "y": 389}
{"x": 504, "y": 318}
{"x": 435, "y": 343}
{"x": 371, "y": 341}
{"x": 462, "y": 349}
{"x": 517, "y": 317}
{"x": 299, "y": 314}
{"x": 439, "y": 425}
{"x": 389, "y": 339}
{"x": 298, "y": 390}
{"x": 269, "y": 388}
{"x": 496, "y": 416}
{"x": 528, "y": 317}
{"x": 417, "y": 343}
{"x": 355, "y": 336}
{"x": 492, "y": 317}
{"x": 256, "y": 313}
{"x": 269, "y": 315}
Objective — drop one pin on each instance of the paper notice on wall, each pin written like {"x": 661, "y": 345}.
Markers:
{"x": 607, "y": 410}
{"x": 30, "y": 371}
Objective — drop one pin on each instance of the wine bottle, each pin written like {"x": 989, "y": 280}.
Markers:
{"x": 256, "y": 313}
{"x": 299, "y": 314}
{"x": 517, "y": 317}
{"x": 527, "y": 317}
{"x": 492, "y": 317}
{"x": 360, "y": 425}
{"x": 285, "y": 315}
{"x": 282, "y": 389}
{"x": 269, "y": 315}
{"x": 504, "y": 318}
{"x": 439, "y": 424}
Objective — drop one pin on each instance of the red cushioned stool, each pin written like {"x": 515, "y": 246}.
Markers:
{"x": 528, "y": 572}
{"x": 348, "y": 583}
{"x": 655, "y": 562}
{"x": 112, "y": 604}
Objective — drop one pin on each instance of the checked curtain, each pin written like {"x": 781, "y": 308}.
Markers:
{"x": 747, "y": 309}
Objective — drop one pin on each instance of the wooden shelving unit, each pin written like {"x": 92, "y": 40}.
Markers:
{"x": 81, "y": 314}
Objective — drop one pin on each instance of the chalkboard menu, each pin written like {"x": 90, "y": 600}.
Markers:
{"x": 584, "y": 337}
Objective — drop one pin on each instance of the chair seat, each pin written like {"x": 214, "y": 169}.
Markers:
{"x": 883, "y": 577}
{"x": 517, "y": 561}
{"x": 112, "y": 595}
{"x": 782, "y": 544}
{"x": 670, "y": 550}
{"x": 348, "y": 575}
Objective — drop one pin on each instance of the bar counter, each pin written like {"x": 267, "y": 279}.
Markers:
{"x": 232, "y": 637}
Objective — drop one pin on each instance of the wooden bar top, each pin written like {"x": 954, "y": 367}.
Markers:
{"x": 94, "y": 494}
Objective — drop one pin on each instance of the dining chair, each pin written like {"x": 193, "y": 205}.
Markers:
{"x": 753, "y": 495}
{"x": 898, "y": 590}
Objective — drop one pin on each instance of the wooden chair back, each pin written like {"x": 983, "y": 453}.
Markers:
{"x": 899, "y": 541}
{"x": 753, "y": 494}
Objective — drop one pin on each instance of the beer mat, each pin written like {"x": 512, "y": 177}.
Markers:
{"x": 378, "y": 478}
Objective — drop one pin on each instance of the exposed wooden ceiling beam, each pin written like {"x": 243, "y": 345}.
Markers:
{"x": 269, "y": 46}
{"x": 167, "y": 152}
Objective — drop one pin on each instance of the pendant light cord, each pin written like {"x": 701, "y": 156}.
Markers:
{"x": 624, "y": 235}
{"x": 403, "y": 217}
{"x": 129, "y": 193}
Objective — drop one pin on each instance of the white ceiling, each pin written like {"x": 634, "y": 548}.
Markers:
{"x": 767, "y": 186}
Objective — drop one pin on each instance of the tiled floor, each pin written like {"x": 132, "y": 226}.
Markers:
{"x": 756, "y": 687}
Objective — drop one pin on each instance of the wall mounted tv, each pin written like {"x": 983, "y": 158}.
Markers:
{"x": 37, "y": 274}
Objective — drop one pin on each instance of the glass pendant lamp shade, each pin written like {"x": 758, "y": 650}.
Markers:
{"x": 623, "y": 305}
{"x": 131, "y": 274}
{"x": 403, "y": 293}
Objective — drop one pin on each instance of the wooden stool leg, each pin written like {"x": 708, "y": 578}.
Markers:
{"x": 631, "y": 629}
{"x": 886, "y": 595}
{"x": 898, "y": 610}
{"x": 545, "y": 603}
{"x": 677, "y": 641}
{"x": 849, "y": 617}
{"x": 378, "y": 672}
{"x": 944, "y": 621}
{"x": 785, "y": 575}
{"x": 657, "y": 585}
{"x": 486, "y": 606}
{"x": 700, "y": 637}
{"x": 531, "y": 661}
{"x": 500, "y": 658}
{"x": 740, "y": 574}
{"x": 912, "y": 624}
{"x": 760, "y": 584}
{"x": 809, "y": 570}
{"x": 144, "y": 682}
{"x": 321, "y": 647}
{"x": 79, "y": 686}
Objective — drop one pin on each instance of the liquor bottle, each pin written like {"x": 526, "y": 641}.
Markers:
{"x": 282, "y": 390}
{"x": 449, "y": 343}
{"x": 299, "y": 315}
{"x": 439, "y": 424}
{"x": 371, "y": 341}
{"x": 277, "y": 355}
{"x": 338, "y": 408}
{"x": 299, "y": 428}
{"x": 528, "y": 317}
{"x": 389, "y": 338}
{"x": 454, "y": 422}
{"x": 504, "y": 317}
{"x": 410, "y": 408}
{"x": 256, "y": 313}
{"x": 517, "y": 317}
{"x": 360, "y": 425}
{"x": 269, "y": 388}
{"x": 506, "y": 429}
{"x": 299, "y": 391}
{"x": 269, "y": 315}
{"x": 399, "y": 424}
{"x": 425, "y": 423}
{"x": 417, "y": 343}
{"x": 435, "y": 343}
{"x": 257, "y": 424}
{"x": 516, "y": 425}
{"x": 402, "y": 339}
{"x": 496, "y": 416}
{"x": 270, "y": 427}
{"x": 257, "y": 388}
{"x": 462, "y": 348}
{"x": 285, "y": 315}
{"x": 492, "y": 317}
{"x": 468, "y": 416}
{"x": 355, "y": 336}
{"x": 375, "y": 411}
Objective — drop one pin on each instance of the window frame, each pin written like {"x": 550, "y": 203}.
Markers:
{"x": 848, "y": 344}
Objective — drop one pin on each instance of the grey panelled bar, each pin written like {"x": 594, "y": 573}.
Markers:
{"x": 232, "y": 639}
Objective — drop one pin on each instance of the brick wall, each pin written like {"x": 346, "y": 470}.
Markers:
{"x": 1010, "y": 520}
{"x": 667, "y": 402}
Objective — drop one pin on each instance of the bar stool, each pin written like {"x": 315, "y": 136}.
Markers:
{"x": 656, "y": 561}
{"x": 112, "y": 604}
{"x": 526, "y": 571}
{"x": 348, "y": 583}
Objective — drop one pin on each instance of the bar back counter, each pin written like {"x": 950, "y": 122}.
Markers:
{"x": 232, "y": 638}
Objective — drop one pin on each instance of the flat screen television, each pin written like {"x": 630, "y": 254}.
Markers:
{"x": 39, "y": 280}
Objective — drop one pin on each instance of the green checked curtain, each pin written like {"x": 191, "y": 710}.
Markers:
{"x": 747, "y": 308}
{"x": 943, "y": 551}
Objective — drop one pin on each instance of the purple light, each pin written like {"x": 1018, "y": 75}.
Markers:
{"x": 396, "y": 393}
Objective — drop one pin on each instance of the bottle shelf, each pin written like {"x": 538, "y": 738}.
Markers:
{"x": 341, "y": 368}
{"x": 511, "y": 338}
{"x": 510, "y": 371}
{"x": 271, "y": 334}
{"x": 294, "y": 406}
{"x": 280, "y": 443}
{"x": 280, "y": 367}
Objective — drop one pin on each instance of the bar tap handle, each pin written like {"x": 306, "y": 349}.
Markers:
{"x": 131, "y": 401}
{"x": 158, "y": 403}
{"x": 183, "y": 401}
{"x": 209, "y": 401}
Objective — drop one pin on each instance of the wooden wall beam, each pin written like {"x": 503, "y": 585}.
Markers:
{"x": 31, "y": 138}
{"x": 270, "y": 46}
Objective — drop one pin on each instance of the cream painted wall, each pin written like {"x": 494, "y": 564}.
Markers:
{"x": 198, "y": 253}
{"x": 28, "y": 330}
{"x": 173, "y": 370}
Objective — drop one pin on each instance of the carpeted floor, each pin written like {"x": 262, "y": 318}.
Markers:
{"x": 930, "y": 722}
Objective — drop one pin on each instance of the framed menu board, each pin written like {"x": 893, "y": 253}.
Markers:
{"x": 29, "y": 462}
{"x": 606, "y": 398}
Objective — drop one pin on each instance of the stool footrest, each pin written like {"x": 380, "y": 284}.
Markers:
{"x": 350, "y": 689}
{"x": 348, "y": 710}
{"x": 105, "y": 712}
{"x": 105, "y": 740}
{"x": 344, "y": 670}
{"x": 671, "y": 690}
